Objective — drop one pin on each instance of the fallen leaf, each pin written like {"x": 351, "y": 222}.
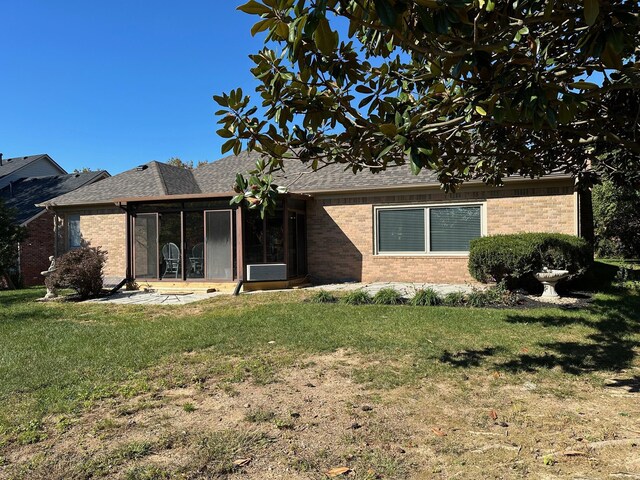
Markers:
{"x": 241, "y": 462}
{"x": 439, "y": 432}
{"x": 334, "y": 472}
{"x": 496, "y": 374}
{"x": 493, "y": 414}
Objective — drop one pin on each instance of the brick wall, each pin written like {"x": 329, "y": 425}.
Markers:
{"x": 36, "y": 249}
{"x": 341, "y": 237}
{"x": 104, "y": 228}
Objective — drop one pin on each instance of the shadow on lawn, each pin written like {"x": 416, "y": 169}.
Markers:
{"x": 612, "y": 345}
{"x": 469, "y": 358}
{"x": 10, "y": 298}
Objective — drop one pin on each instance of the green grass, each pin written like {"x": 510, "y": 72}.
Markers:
{"x": 59, "y": 358}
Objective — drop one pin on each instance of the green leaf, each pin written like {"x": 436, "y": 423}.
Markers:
{"x": 228, "y": 145}
{"x": 261, "y": 26}
{"x": 491, "y": 4}
{"x": 481, "y": 110}
{"x": 386, "y": 13}
{"x": 591, "y": 11}
{"x": 326, "y": 40}
{"x": 584, "y": 85}
{"x": 254, "y": 8}
{"x": 389, "y": 129}
{"x": 224, "y": 133}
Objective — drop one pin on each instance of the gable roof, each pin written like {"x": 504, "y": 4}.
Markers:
{"x": 156, "y": 180}
{"x": 23, "y": 195}
{"x": 11, "y": 165}
{"x": 153, "y": 179}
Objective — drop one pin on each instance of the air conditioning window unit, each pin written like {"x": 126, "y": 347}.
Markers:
{"x": 266, "y": 271}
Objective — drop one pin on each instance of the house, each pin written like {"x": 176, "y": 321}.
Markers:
{"x": 12, "y": 169}
{"x": 168, "y": 226}
{"x": 27, "y": 181}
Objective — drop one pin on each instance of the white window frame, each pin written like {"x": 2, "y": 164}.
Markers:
{"x": 427, "y": 208}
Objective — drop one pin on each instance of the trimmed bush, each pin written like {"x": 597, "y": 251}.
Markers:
{"x": 514, "y": 258}
{"x": 322, "y": 296}
{"x": 426, "y": 298}
{"x": 80, "y": 270}
{"x": 388, "y": 296}
{"x": 357, "y": 297}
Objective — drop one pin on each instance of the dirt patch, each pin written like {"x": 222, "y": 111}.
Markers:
{"x": 313, "y": 416}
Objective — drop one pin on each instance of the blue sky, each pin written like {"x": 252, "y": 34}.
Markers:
{"x": 111, "y": 85}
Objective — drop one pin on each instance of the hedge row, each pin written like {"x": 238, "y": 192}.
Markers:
{"x": 515, "y": 258}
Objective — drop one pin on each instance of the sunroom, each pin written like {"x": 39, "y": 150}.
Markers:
{"x": 206, "y": 240}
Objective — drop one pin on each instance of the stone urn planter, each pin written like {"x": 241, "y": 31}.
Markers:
{"x": 549, "y": 278}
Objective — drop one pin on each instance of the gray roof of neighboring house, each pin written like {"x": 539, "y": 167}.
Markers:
{"x": 10, "y": 165}
{"x": 155, "y": 179}
{"x": 23, "y": 195}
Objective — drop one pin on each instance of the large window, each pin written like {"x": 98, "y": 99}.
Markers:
{"x": 427, "y": 229}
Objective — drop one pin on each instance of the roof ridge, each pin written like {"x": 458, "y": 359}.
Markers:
{"x": 163, "y": 184}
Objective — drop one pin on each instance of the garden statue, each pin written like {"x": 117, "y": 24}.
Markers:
{"x": 51, "y": 291}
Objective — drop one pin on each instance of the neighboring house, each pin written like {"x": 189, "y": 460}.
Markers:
{"x": 22, "y": 194}
{"x": 162, "y": 224}
{"x": 12, "y": 169}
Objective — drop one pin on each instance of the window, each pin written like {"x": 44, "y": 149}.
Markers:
{"x": 427, "y": 229}
{"x": 75, "y": 237}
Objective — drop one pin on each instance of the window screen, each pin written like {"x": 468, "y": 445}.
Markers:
{"x": 401, "y": 230}
{"x": 452, "y": 228}
{"x": 75, "y": 237}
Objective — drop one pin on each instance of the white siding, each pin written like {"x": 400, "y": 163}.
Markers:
{"x": 39, "y": 168}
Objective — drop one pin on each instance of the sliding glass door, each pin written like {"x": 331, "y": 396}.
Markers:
{"x": 146, "y": 246}
{"x": 219, "y": 247}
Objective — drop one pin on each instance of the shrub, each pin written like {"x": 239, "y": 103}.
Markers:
{"x": 426, "y": 297}
{"x": 322, "y": 296}
{"x": 497, "y": 296}
{"x": 514, "y": 258}
{"x": 80, "y": 270}
{"x": 454, "y": 299}
{"x": 388, "y": 296}
{"x": 357, "y": 297}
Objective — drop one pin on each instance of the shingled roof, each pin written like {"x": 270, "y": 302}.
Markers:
{"x": 23, "y": 195}
{"x": 10, "y": 165}
{"x": 157, "y": 180}
{"x": 219, "y": 176}
{"x": 153, "y": 179}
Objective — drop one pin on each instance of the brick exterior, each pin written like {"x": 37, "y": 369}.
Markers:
{"x": 36, "y": 249}
{"x": 341, "y": 230}
{"x": 101, "y": 227}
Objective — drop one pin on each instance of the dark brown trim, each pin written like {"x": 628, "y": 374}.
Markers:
{"x": 285, "y": 232}
{"x": 239, "y": 245}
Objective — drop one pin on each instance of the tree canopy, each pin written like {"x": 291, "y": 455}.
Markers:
{"x": 616, "y": 214}
{"x": 472, "y": 89}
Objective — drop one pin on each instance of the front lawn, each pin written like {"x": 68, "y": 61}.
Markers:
{"x": 185, "y": 391}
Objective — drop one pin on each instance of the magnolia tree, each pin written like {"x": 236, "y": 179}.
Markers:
{"x": 472, "y": 89}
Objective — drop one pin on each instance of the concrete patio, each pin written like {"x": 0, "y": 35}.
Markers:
{"x": 143, "y": 297}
